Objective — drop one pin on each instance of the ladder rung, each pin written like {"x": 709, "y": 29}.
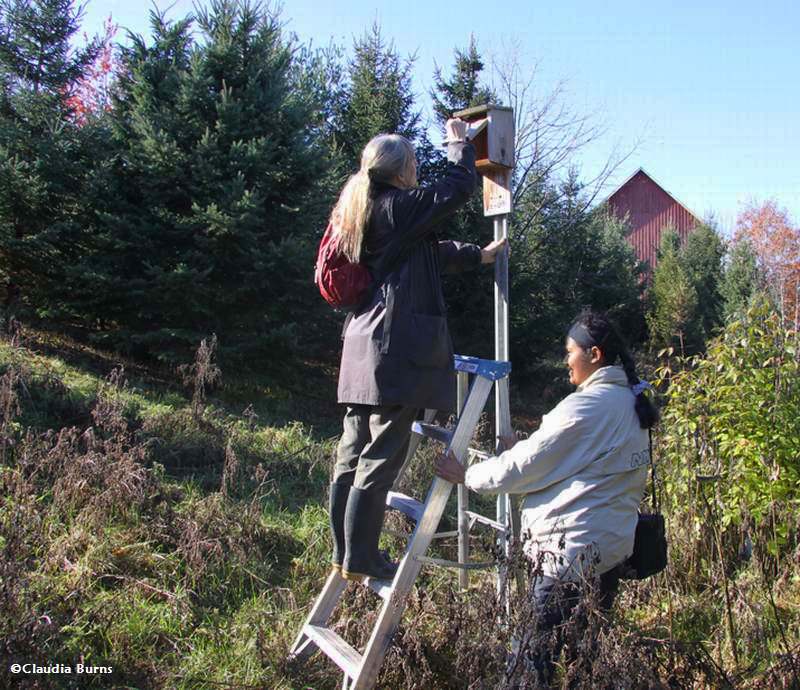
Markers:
{"x": 383, "y": 588}
{"x": 396, "y": 533}
{"x": 434, "y": 431}
{"x": 442, "y": 535}
{"x": 335, "y": 648}
{"x": 476, "y": 517}
{"x": 405, "y": 504}
{"x": 478, "y": 453}
{"x": 455, "y": 564}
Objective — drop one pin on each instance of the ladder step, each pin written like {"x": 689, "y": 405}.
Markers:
{"x": 383, "y": 588}
{"x": 396, "y": 533}
{"x": 444, "y": 535}
{"x": 442, "y": 563}
{"x": 335, "y": 648}
{"x": 491, "y": 369}
{"x": 477, "y": 517}
{"x": 405, "y": 504}
{"x": 434, "y": 431}
{"x": 481, "y": 455}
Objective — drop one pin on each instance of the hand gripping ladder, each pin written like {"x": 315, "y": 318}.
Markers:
{"x": 361, "y": 669}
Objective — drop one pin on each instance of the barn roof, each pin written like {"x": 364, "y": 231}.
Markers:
{"x": 655, "y": 181}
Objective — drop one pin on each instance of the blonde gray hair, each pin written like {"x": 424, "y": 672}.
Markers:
{"x": 388, "y": 159}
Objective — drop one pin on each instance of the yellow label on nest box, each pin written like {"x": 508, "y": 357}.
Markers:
{"x": 496, "y": 192}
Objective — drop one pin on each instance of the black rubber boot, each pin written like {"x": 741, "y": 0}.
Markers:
{"x": 363, "y": 521}
{"x": 336, "y": 507}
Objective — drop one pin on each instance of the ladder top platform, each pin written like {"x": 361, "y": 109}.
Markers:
{"x": 491, "y": 369}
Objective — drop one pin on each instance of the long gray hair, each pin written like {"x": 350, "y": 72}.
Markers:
{"x": 387, "y": 158}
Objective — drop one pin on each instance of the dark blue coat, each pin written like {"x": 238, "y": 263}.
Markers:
{"x": 397, "y": 348}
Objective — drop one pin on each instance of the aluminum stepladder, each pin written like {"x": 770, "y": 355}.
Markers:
{"x": 361, "y": 669}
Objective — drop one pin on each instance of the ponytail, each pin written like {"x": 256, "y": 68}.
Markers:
{"x": 645, "y": 409}
{"x": 351, "y": 213}
{"x": 593, "y": 329}
{"x": 386, "y": 159}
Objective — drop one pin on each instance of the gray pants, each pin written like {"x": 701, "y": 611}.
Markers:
{"x": 373, "y": 445}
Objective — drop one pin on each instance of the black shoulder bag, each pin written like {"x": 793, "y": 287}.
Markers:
{"x": 650, "y": 543}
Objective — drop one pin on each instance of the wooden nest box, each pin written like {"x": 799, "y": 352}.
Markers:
{"x": 491, "y": 132}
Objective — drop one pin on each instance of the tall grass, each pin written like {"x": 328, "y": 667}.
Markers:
{"x": 182, "y": 543}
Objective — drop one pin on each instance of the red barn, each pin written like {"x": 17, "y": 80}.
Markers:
{"x": 650, "y": 209}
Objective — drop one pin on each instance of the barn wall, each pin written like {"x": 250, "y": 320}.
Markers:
{"x": 651, "y": 210}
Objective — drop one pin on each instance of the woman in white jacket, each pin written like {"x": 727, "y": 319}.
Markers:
{"x": 582, "y": 472}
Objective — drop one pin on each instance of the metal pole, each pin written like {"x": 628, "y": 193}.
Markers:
{"x": 502, "y": 425}
{"x": 463, "y": 494}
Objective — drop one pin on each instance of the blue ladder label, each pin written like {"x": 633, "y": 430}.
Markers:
{"x": 488, "y": 368}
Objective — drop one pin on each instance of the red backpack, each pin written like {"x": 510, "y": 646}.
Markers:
{"x": 342, "y": 283}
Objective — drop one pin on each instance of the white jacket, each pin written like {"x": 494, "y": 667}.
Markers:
{"x": 584, "y": 473}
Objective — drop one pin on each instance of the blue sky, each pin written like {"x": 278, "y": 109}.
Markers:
{"x": 709, "y": 92}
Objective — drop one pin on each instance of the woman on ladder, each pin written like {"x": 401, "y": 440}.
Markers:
{"x": 397, "y": 357}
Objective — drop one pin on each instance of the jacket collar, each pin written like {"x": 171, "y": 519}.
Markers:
{"x": 378, "y": 188}
{"x": 614, "y": 375}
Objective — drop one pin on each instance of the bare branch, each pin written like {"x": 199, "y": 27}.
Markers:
{"x": 550, "y": 135}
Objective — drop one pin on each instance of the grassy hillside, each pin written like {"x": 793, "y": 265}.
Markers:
{"x": 177, "y": 532}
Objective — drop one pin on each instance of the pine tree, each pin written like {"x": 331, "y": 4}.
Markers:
{"x": 470, "y": 300}
{"x": 740, "y": 280}
{"x": 203, "y": 230}
{"x": 45, "y": 160}
{"x": 464, "y": 88}
{"x": 377, "y": 98}
{"x": 702, "y": 260}
{"x": 569, "y": 259}
{"x": 672, "y": 318}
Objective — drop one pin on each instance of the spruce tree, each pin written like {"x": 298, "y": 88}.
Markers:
{"x": 45, "y": 160}
{"x": 568, "y": 259}
{"x": 740, "y": 280}
{"x": 672, "y": 317}
{"x": 203, "y": 230}
{"x": 614, "y": 280}
{"x": 702, "y": 261}
{"x": 464, "y": 88}
{"x": 377, "y": 98}
{"x": 470, "y": 298}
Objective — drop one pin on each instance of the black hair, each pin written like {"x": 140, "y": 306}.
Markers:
{"x": 596, "y": 329}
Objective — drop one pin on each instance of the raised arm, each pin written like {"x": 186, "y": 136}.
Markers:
{"x": 418, "y": 211}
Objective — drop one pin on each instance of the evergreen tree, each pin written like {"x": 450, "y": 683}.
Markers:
{"x": 202, "y": 229}
{"x": 377, "y": 97}
{"x": 615, "y": 283}
{"x": 570, "y": 258}
{"x": 672, "y": 317}
{"x": 740, "y": 280}
{"x": 464, "y": 88}
{"x": 45, "y": 159}
{"x": 702, "y": 261}
{"x": 36, "y": 55}
{"x": 470, "y": 300}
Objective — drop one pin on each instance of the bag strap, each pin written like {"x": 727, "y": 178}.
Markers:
{"x": 656, "y": 502}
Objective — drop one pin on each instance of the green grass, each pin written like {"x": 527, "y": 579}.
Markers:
{"x": 185, "y": 548}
